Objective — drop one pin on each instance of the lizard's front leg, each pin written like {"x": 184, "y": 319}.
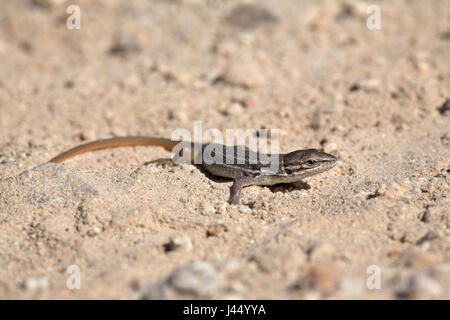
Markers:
{"x": 236, "y": 188}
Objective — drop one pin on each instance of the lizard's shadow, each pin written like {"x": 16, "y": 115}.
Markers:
{"x": 167, "y": 162}
{"x": 284, "y": 187}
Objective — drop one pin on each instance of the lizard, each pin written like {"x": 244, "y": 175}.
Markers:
{"x": 291, "y": 167}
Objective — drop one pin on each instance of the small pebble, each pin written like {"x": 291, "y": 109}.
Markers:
{"x": 44, "y": 4}
{"x": 234, "y": 110}
{"x": 422, "y": 66}
{"x": 415, "y": 233}
{"x": 396, "y": 191}
{"x": 195, "y": 280}
{"x": 94, "y": 231}
{"x": 416, "y": 259}
{"x": 123, "y": 45}
{"x": 179, "y": 242}
{"x": 216, "y": 229}
{"x": 8, "y": 160}
{"x": 250, "y": 16}
{"x": 419, "y": 286}
{"x": 444, "y": 109}
{"x": 244, "y": 74}
{"x": 87, "y": 135}
{"x": 430, "y": 215}
{"x": 244, "y": 209}
{"x": 208, "y": 210}
{"x": 174, "y": 114}
{"x": 366, "y": 84}
{"x": 381, "y": 191}
{"x": 221, "y": 207}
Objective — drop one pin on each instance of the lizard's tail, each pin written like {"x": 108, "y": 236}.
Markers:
{"x": 114, "y": 143}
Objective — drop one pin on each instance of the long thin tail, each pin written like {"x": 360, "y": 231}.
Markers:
{"x": 114, "y": 143}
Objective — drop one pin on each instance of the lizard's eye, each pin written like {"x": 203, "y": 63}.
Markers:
{"x": 311, "y": 162}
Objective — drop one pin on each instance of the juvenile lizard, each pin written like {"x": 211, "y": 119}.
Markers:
{"x": 291, "y": 167}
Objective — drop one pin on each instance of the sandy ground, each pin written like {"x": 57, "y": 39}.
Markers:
{"x": 374, "y": 98}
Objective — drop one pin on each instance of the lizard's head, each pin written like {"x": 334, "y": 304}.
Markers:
{"x": 308, "y": 162}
